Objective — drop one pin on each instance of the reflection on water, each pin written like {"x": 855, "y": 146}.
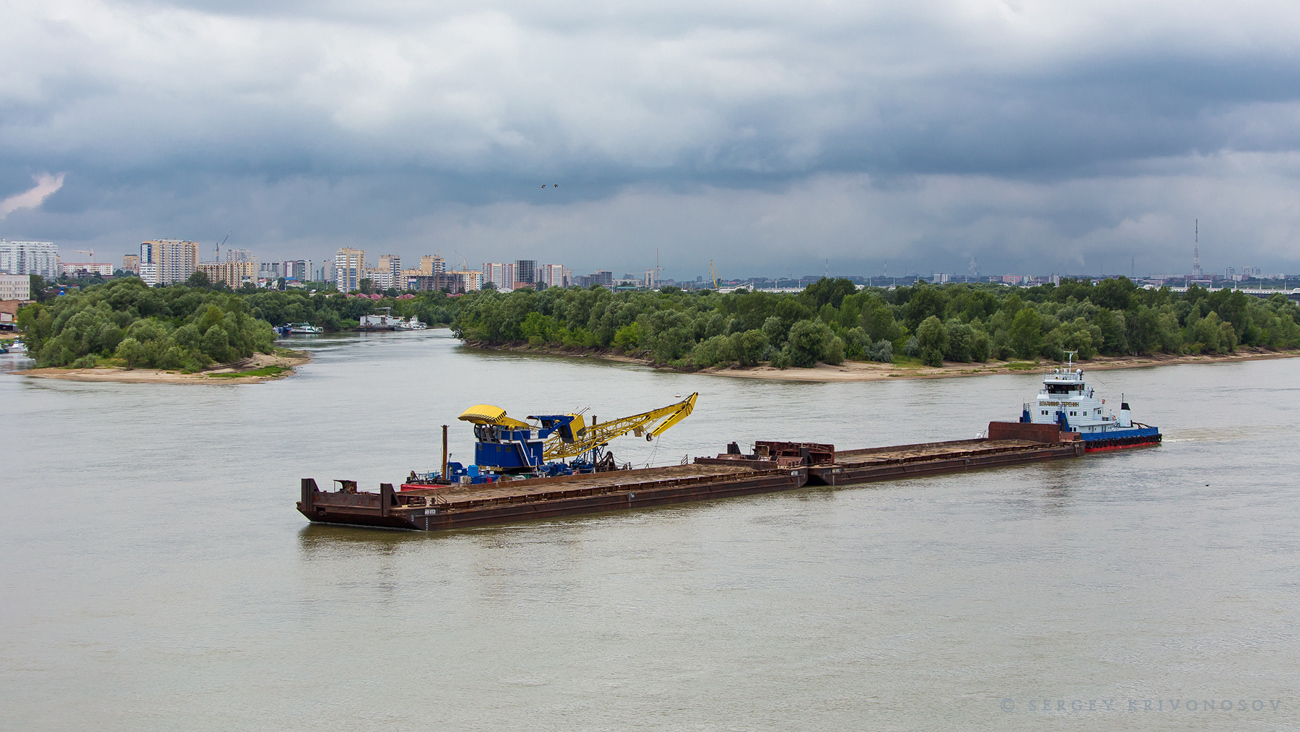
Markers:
{"x": 156, "y": 576}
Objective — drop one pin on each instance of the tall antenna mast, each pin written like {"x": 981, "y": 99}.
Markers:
{"x": 1196, "y": 252}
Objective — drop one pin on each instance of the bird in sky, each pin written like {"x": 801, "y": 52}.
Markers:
{"x": 543, "y": 185}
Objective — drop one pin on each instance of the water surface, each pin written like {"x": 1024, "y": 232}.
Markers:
{"x": 155, "y": 576}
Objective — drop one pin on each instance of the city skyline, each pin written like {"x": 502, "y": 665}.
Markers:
{"x": 766, "y": 139}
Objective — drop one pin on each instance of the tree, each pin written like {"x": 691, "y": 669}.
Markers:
{"x": 932, "y": 338}
{"x": 367, "y": 286}
{"x": 812, "y": 341}
{"x": 37, "y": 285}
{"x": 1027, "y": 333}
{"x": 826, "y": 291}
{"x": 199, "y": 279}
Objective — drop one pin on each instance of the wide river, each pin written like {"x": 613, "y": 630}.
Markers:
{"x": 154, "y": 574}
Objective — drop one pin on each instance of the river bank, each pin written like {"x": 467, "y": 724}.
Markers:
{"x": 253, "y": 370}
{"x": 875, "y": 371}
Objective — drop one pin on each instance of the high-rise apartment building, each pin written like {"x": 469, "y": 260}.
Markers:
{"x": 432, "y": 264}
{"x": 131, "y": 263}
{"x": 526, "y": 271}
{"x": 466, "y": 280}
{"x": 349, "y": 268}
{"x": 501, "y": 274}
{"x": 30, "y": 258}
{"x": 551, "y": 275}
{"x": 166, "y": 261}
{"x": 389, "y": 272}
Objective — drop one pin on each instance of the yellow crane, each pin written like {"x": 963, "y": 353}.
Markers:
{"x": 714, "y": 274}
{"x": 580, "y": 437}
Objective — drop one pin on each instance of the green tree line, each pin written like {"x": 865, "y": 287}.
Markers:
{"x": 832, "y": 320}
{"x": 189, "y": 328}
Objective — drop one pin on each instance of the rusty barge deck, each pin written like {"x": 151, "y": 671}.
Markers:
{"x": 775, "y": 466}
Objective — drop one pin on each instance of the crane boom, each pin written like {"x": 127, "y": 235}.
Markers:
{"x": 651, "y": 424}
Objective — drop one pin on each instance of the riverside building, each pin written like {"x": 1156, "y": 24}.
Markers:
{"x": 167, "y": 261}
{"x": 30, "y": 258}
{"x": 349, "y": 268}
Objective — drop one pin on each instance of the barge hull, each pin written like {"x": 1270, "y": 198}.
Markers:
{"x": 390, "y": 509}
{"x": 455, "y": 507}
{"x": 851, "y": 473}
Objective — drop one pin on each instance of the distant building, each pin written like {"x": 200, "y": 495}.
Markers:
{"x": 501, "y": 274}
{"x": 388, "y": 273}
{"x": 526, "y": 271}
{"x": 85, "y": 269}
{"x": 15, "y": 287}
{"x": 166, "y": 261}
{"x": 9, "y": 312}
{"x": 231, "y": 273}
{"x": 349, "y": 268}
{"x": 131, "y": 263}
{"x": 551, "y": 275}
{"x": 432, "y": 264}
{"x": 603, "y": 277}
{"x": 470, "y": 280}
{"x": 30, "y": 258}
{"x": 297, "y": 269}
{"x": 324, "y": 273}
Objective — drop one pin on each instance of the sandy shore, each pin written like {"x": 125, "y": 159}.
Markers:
{"x": 860, "y": 371}
{"x": 871, "y": 371}
{"x": 287, "y": 360}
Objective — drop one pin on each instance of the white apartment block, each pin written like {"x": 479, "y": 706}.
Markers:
{"x": 15, "y": 287}
{"x": 501, "y": 274}
{"x": 30, "y": 258}
{"x": 552, "y": 275}
{"x": 166, "y": 261}
{"x": 72, "y": 269}
{"x": 349, "y": 268}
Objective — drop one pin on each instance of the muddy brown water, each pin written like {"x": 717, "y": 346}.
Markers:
{"x": 154, "y": 574}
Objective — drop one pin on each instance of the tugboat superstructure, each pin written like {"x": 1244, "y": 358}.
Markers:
{"x": 1066, "y": 400}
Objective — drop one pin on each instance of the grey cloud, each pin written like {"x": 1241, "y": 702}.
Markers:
{"x": 771, "y": 133}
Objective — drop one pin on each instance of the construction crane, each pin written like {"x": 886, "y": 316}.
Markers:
{"x": 714, "y": 274}
{"x": 576, "y": 437}
{"x": 91, "y": 252}
{"x": 223, "y": 241}
{"x": 509, "y": 445}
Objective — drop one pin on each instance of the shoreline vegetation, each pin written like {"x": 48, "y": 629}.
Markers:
{"x": 252, "y": 370}
{"x": 909, "y": 369}
{"x": 832, "y": 330}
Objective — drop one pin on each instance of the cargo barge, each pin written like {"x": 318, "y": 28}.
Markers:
{"x": 511, "y": 481}
{"x": 773, "y": 466}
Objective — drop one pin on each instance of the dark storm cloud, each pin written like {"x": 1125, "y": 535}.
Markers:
{"x": 767, "y": 136}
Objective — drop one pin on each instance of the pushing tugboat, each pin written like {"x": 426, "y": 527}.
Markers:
{"x": 1065, "y": 400}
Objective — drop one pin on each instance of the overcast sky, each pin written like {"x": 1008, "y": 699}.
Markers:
{"x": 767, "y": 136}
